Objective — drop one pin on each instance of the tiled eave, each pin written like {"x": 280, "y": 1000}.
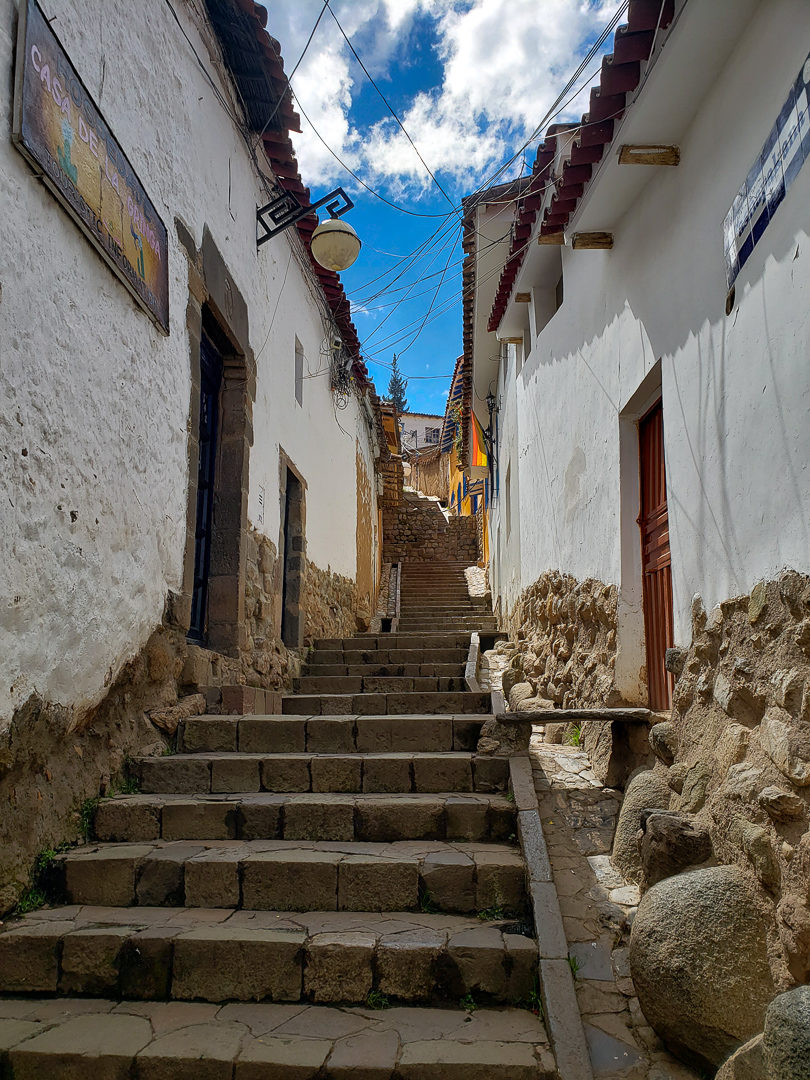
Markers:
{"x": 620, "y": 76}
{"x": 256, "y": 65}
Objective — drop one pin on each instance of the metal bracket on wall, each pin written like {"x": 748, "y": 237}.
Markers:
{"x": 286, "y": 210}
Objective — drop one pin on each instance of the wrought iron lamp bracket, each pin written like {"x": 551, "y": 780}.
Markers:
{"x": 286, "y": 210}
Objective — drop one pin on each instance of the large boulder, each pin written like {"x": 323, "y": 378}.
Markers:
{"x": 786, "y": 1042}
{"x": 699, "y": 961}
{"x": 744, "y": 1064}
{"x": 647, "y": 790}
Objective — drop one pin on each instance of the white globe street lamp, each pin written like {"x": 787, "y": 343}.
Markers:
{"x": 335, "y": 244}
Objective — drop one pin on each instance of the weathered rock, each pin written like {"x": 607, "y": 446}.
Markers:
{"x": 677, "y": 775}
{"x": 519, "y": 693}
{"x": 664, "y": 741}
{"x": 646, "y": 791}
{"x": 169, "y": 719}
{"x": 746, "y": 1063}
{"x": 731, "y": 746}
{"x": 781, "y": 805}
{"x": 671, "y": 842}
{"x": 787, "y": 743}
{"x": 736, "y": 698}
{"x": 693, "y": 794}
{"x": 757, "y": 846}
{"x": 786, "y": 1040}
{"x": 699, "y": 962}
{"x": 505, "y": 734}
{"x": 757, "y": 602}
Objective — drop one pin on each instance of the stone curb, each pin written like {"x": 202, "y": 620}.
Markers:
{"x": 471, "y": 670}
{"x": 561, "y": 1011}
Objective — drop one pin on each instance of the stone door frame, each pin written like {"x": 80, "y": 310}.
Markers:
{"x": 293, "y": 563}
{"x": 217, "y": 306}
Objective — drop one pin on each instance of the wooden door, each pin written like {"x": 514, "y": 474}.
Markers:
{"x": 653, "y": 521}
{"x": 210, "y": 384}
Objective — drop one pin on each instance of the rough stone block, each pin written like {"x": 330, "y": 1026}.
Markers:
{"x": 212, "y": 879}
{"x": 500, "y": 881}
{"x": 490, "y": 774}
{"x": 368, "y": 704}
{"x": 339, "y": 967}
{"x": 281, "y": 773}
{"x": 198, "y": 819}
{"x": 127, "y": 819}
{"x": 369, "y": 1055}
{"x": 285, "y": 1057}
{"x": 105, "y": 877}
{"x": 162, "y": 874}
{"x": 467, "y": 819}
{"x": 407, "y": 818}
{"x": 234, "y": 774}
{"x": 330, "y": 735}
{"x": 175, "y": 775}
{"x": 319, "y": 817}
{"x": 272, "y": 735}
{"x": 521, "y": 966}
{"x": 208, "y": 734}
{"x": 260, "y": 816}
{"x": 444, "y": 1059}
{"x": 386, "y": 773}
{"x": 369, "y": 883}
{"x": 29, "y": 957}
{"x": 145, "y": 964}
{"x": 91, "y": 1047}
{"x": 197, "y": 1052}
{"x": 239, "y": 700}
{"x": 290, "y": 881}
{"x": 449, "y": 880}
{"x": 442, "y": 772}
{"x": 337, "y": 774}
{"x": 478, "y": 956}
{"x": 217, "y": 963}
{"x": 466, "y": 733}
{"x": 551, "y": 940}
{"x": 90, "y": 960}
{"x": 407, "y": 964}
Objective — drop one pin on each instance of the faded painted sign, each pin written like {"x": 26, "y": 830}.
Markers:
{"x": 61, "y": 132}
{"x": 774, "y": 169}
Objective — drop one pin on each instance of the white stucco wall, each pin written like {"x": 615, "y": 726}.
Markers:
{"x": 736, "y": 389}
{"x": 94, "y": 401}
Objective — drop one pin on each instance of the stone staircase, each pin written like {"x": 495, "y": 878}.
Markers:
{"x": 298, "y": 897}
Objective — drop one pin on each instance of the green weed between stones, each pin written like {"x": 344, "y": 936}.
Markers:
{"x": 574, "y": 737}
{"x": 532, "y": 1002}
{"x": 468, "y": 1002}
{"x": 574, "y": 964}
{"x": 377, "y": 1000}
{"x": 87, "y": 814}
{"x": 426, "y": 904}
{"x": 491, "y": 914}
{"x": 37, "y": 894}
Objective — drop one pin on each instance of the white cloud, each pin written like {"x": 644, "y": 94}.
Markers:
{"x": 503, "y": 64}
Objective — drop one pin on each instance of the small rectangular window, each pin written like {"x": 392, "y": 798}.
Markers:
{"x": 299, "y": 372}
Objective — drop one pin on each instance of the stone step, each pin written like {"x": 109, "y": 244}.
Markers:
{"x": 105, "y": 1040}
{"x": 202, "y": 774}
{"x": 385, "y": 657}
{"x": 378, "y": 684}
{"x": 388, "y": 670}
{"x": 347, "y": 734}
{"x": 277, "y": 875}
{"x": 341, "y": 816}
{"x": 221, "y": 955}
{"x": 385, "y": 704}
{"x": 365, "y": 642}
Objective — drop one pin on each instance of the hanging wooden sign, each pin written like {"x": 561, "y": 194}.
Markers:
{"x": 60, "y": 131}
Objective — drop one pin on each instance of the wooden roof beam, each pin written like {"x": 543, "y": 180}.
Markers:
{"x": 649, "y": 155}
{"x": 593, "y": 241}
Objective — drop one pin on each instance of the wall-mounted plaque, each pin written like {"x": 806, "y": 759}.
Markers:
{"x": 59, "y": 129}
{"x": 771, "y": 174}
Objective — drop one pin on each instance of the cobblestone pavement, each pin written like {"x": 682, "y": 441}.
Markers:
{"x": 598, "y": 906}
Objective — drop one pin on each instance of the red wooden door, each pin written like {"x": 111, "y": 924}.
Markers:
{"x": 653, "y": 521}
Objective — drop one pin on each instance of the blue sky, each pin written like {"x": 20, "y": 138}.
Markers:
{"x": 470, "y": 80}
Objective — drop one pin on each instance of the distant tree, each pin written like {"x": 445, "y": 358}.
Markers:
{"x": 397, "y": 386}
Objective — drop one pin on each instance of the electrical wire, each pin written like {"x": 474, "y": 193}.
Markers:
{"x": 389, "y": 107}
{"x": 272, "y": 115}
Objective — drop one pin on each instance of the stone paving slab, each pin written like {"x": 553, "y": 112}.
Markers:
{"x": 346, "y": 733}
{"x": 295, "y": 815}
{"x": 293, "y": 875}
{"x": 102, "y": 1039}
{"x": 389, "y": 704}
{"x": 268, "y": 956}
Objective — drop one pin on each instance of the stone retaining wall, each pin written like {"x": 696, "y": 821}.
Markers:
{"x": 417, "y": 531}
{"x": 738, "y": 753}
{"x": 564, "y": 637}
